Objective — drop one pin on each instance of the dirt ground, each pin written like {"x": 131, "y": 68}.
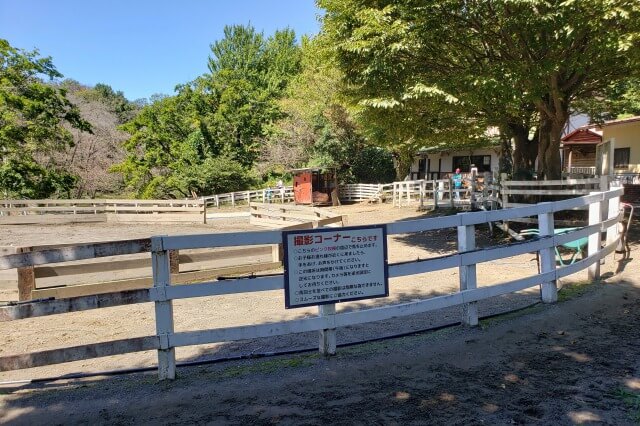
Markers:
{"x": 571, "y": 362}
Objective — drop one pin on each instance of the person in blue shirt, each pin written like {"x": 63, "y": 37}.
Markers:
{"x": 457, "y": 183}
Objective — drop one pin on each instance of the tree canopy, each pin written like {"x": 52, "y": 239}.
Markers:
{"x": 215, "y": 125}
{"x": 32, "y": 125}
{"x": 437, "y": 68}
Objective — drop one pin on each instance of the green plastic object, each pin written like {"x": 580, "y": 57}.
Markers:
{"x": 577, "y": 246}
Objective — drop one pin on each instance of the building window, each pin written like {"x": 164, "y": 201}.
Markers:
{"x": 482, "y": 162}
{"x": 621, "y": 158}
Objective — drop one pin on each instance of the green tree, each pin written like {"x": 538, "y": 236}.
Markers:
{"x": 32, "y": 118}
{"x": 514, "y": 64}
{"x": 218, "y": 120}
{"x": 248, "y": 75}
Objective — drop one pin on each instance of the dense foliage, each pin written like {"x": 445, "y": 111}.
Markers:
{"x": 424, "y": 71}
{"x": 383, "y": 79}
{"x": 32, "y": 118}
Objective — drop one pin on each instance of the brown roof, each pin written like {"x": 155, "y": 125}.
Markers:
{"x": 583, "y": 135}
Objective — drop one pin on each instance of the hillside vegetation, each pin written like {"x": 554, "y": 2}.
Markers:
{"x": 380, "y": 81}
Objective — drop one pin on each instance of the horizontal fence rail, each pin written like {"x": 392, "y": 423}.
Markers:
{"x": 266, "y": 195}
{"x": 466, "y": 259}
{"x": 526, "y": 192}
{"x": 286, "y": 215}
{"x": 14, "y": 212}
{"x": 133, "y": 271}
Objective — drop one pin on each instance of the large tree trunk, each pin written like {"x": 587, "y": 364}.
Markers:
{"x": 403, "y": 158}
{"x": 505, "y": 162}
{"x": 549, "y": 162}
{"x": 554, "y": 113}
{"x": 525, "y": 149}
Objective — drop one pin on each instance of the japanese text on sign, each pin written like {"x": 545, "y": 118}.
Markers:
{"x": 335, "y": 265}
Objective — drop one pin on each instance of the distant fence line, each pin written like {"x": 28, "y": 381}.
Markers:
{"x": 96, "y": 210}
{"x": 478, "y": 192}
{"x": 131, "y": 272}
{"x": 163, "y": 292}
{"x": 281, "y": 195}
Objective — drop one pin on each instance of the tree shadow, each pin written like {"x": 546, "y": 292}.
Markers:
{"x": 570, "y": 365}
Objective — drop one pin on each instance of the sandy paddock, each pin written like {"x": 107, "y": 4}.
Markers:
{"x": 211, "y": 312}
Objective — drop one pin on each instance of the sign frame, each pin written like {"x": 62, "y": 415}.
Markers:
{"x": 286, "y": 247}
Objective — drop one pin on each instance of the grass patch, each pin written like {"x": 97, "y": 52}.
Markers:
{"x": 574, "y": 290}
{"x": 268, "y": 366}
{"x": 381, "y": 345}
{"x": 488, "y": 322}
{"x": 631, "y": 400}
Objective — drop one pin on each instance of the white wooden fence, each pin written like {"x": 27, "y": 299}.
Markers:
{"x": 133, "y": 271}
{"x": 163, "y": 292}
{"x": 52, "y": 211}
{"x": 546, "y": 188}
{"x": 288, "y": 215}
{"x": 273, "y": 195}
{"x": 366, "y": 191}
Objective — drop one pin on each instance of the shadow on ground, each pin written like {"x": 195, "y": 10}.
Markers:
{"x": 570, "y": 363}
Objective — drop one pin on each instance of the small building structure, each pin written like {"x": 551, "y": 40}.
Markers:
{"x": 315, "y": 186}
{"x": 579, "y": 150}
{"x": 437, "y": 163}
{"x": 625, "y": 134}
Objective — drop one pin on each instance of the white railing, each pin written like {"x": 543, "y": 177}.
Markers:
{"x": 273, "y": 195}
{"x": 626, "y": 178}
{"x": 290, "y": 215}
{"x": 583, "y": 170}
{"x": 164, "y": 293}
{"x": 364, "y": 191}
{"x": 51, "y": 211}
{"x": 546, "y": 188}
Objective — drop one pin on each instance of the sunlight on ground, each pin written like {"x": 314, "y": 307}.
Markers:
{"x": 633, "y": 383}
{"x": 402, "y": 396}
{"x": 580, "y": 417}
{"x": 574, "y": 355}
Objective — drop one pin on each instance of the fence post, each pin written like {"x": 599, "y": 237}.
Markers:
{"x": 233, "y": 200}
{"x": 485, "y": 191}
{"x": 595, "y": 239}
{"x": 164, "y": 309}
{"x": 504, "y": 187}
{"x": 474, "y": 185}
{"x": 548, "y": 290}
{"x": 423, "y": 188}
{"x": 614, "y": 211}
{"x": 468, "y": 277}
{"x": 436, "y": 194}
{"x": 204, "y": 211}
{"x": 451, "y": 193}
{"x": 26, "y": 278}
{"x": 394, "y": 194}
{"x": 604, "y": 183}
{"x": 327, "y": 344}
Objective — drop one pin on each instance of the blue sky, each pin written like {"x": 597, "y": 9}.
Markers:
{"x": 141, "y": 47}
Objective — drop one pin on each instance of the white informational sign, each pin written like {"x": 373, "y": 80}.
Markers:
{"x": 335, "y": 265}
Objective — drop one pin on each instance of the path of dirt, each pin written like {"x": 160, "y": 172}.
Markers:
{"x": 123, "y": 322}
{"x": 572, "y": 362}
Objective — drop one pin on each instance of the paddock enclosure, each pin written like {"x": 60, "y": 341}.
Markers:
{"x": 603, "y": 210}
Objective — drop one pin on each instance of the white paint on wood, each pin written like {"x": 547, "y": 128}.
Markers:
{"x": 548, "y": 289}
{"x": 163, "y": 310}
{"x": 595, "y": 217}
{"x": 327, "y": 336}
{"x": 468, "y": 276}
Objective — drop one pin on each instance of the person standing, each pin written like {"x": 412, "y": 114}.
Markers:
{"x": 457, "y": 183}
{"x": 280, "y": 186}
